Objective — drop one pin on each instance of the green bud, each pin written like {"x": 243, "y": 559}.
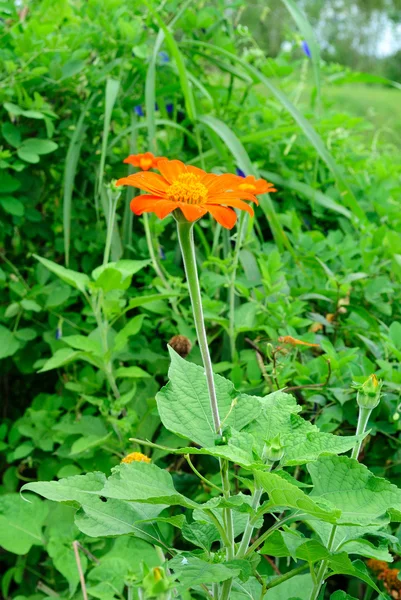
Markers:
{"x": 273, "y": 450}
{"x": 369, "y": 392}
{"x": 156, "y": 581}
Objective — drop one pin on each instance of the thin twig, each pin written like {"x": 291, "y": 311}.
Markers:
{"x": 312, "y": 385}
{"x": 75, "y": 546}
{"x": 88, "y": 553}
{"x": 272, "y": 564}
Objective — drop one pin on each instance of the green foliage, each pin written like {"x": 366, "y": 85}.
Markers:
{"x": 91, "y": 296}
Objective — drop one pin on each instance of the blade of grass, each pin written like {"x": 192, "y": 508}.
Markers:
{"x": 303, "y": 123}
{"x": 128, "y": 214}
{"x": 109, "y": 208}
{"x": 112, "y": 87}
{"x": 309, "y": 36}
{"x": 71, "y": 164}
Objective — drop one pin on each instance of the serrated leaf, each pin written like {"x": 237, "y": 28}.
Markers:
{"x": 299, "y": 587}
{"x": 283, "y": 494}
{"x": 144, "y": 482}
{"x": 61, "y": 357}
{"x": 340, "y": 564}
{"x": 192, "y": 571}
{"x": 303, "y": 448}
{"x": 184, "y": 404}
{"x": 98, "y": 516}
{"x": 132, "y": 328}
{"x": 351, "y": 487}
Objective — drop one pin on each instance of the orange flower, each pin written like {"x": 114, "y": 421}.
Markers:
{"x": 136, "y": 457}
{"x": 287, "y": 339}
{"x": 143, "y": 161}
{"x": 190, "y": 189}
{"x": 254, "y": 186}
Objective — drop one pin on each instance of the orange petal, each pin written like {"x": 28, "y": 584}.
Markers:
{"x": 226, "y": 197}
{"x": 149, "y": 182}
{"x": 148, "y": 203}
{"x": 171, "y": 169}
{"x": 191, "y": 212}
{"x": 225, "y": 216}
{"x": 196, "y": 171}
{"x": 235, "y": 203}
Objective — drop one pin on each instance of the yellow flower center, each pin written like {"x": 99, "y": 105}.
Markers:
{"x": 187, "y": 188}
{"x": 247, "y": 187}
{"x": 146, "y": 163}
{"x": 136, "y": 457}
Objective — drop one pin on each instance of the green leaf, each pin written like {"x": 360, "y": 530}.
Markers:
{"x": 12, "y": 206}
{"x": 132, "y": 328}
{"x": 8, "y": 183}
{"x": 28, "y": 157}
{"x": 184, "y": 404}
{"x": 30, "y": 305}
{"x": 365, "y": 548}
{"x": 98, "y": 516}
{"x": 299, "y": 586}
{"x": 61, "y": 357}
{"x": 82, "y": 342}
{"x": 192, "y": 571}
{"x": 351, "y": 487}
{"x": 38, "y": 146}
{"x": 21, "y": 522}
{"x": 340, "y": 564}
{"x": 62, "y": 554}
{"x": 8, "y": 343}
{"x": 301, "y": 448}
{"x": 312, "y": 551}
{"x": 11, "y": 134}
{"x": 200, "y": 534}
{"x": 283, "y": 494}
{"x": 131, "y": 373}
{"x": 117, "y": 275}
{"x": 144, "y": 482}
{"x": 340, "y": 595}
{"x": 77, "y": 280}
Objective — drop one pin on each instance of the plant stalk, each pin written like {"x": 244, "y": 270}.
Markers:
{"x": 231, "y": 295}
{"x": 363, "y": 418}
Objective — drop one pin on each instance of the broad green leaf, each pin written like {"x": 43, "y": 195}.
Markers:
{"x": 299, "y": 587}
{"x": 97, "y": 516}
{"x": 365, "y": 548}
{"x": 61, "y": 357}
{"x": 200, "y": 534}
{"x": 11, "y": 134}
{"x": 340, "y": 595}
{"x": 184, "y": 404}
{"x": 38, "y": 146}
{"x": 347, "y": 533}
{"x": 351, "y": 487}
{"x": 143, "y": 482}
{"x": 21, "y": 522}
{"x": 312, "y": 551}
{"x": 12, "y": 206}
{"x": 77, "y": 280}
{"x": 131, "y": 373}
{"x": 283, "y": 494}
{"x": 8, "y": 342}
{"x": 192, "y": 571}
{"x": 301, "y": 448}
{"x": 117, "y": 275}
{"x": 84, "y": 343}
{"x": 275, "y": 417}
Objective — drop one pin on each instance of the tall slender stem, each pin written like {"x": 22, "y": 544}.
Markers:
{"x": 321, "y": 574}
{"x": 363, "y": 418}
{"x": 152, "y": 253}
{"x": 186, "y": 239}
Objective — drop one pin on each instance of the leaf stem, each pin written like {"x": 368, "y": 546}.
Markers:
{"x": 277, "y": 580}
{"x": 231, "y": 294}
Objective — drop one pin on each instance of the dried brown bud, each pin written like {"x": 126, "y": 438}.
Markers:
{"x": 181, "y": 345}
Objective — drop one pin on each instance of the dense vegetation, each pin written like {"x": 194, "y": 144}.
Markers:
{"x": 301, "y": 303}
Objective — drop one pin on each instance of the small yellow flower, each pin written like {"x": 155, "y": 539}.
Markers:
{"x": 136, "y": 457}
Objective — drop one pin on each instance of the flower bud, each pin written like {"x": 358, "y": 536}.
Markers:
{"x": 369, "y": 392}
{"x": 273, "y": 450}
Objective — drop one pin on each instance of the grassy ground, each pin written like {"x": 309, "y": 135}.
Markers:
{"x": 380, "y": 105}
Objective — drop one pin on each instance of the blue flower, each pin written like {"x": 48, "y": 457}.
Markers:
{"x": 59, "y": 333}
{"x": 169, "y": 107}
{"x": 156, "y": 106}
{"x": 164, "y": 57}
{"x": 138, "y": 110}
{"x": 161, "y": 253}
{"x": 240, "y": 172}
{"x": 306, "y": 49}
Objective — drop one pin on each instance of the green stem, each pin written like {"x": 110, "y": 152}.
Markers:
{"x": 152, "y": 253}
{"x": 363, "y": 418}
{"x": 241, "y": 227}
{"x": 186, "y": 239}
{"x": 247, "y": 535}
{"x": 321, "y": 574}
{"x": 287, "y": 576}
{"x": 269, "y": 531}
{"x": 113, "y": 200}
